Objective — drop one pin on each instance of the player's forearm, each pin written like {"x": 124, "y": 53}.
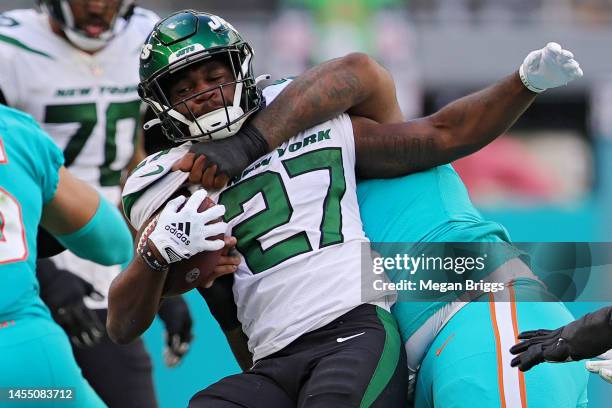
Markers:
{"x": 133, "y": 301}
{"x": 459, "y": 129}
{"x": 472, "y": 122}
{"x": 354, "y": 83}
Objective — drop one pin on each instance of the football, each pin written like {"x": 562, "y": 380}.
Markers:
{"x": 188, "y": 274}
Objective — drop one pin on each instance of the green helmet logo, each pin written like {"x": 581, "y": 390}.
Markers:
{"x": 180, "y": 41}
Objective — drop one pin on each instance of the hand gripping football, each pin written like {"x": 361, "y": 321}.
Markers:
{"x": 188, "y": 274}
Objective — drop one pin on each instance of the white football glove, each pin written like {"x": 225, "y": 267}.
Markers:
{"x": 601, "y": 367}
{"x": 181, "y": 234}
{"x": 549, "y": 67}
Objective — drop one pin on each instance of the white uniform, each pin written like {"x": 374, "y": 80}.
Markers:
{"x": 87, "y": 103}
{"x": 295, "y": 214}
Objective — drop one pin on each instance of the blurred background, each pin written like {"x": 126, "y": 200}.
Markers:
{"x": 548, "y": 179}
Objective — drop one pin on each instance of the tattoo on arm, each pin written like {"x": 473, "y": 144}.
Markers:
{"x": 320, "y": 94}
{"x": 395, "y": 153}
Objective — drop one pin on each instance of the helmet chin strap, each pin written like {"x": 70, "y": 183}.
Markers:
{"x": 87, "y": 43}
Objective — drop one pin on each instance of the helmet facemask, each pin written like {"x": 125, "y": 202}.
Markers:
{"x": 61, "y": 12}
{"x": 219, "y": 123}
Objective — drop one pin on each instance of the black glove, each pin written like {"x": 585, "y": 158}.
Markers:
{"x": 233, "y": 154}
{"x": 587, "y": 337}
{"x": 177, "y": 319}
{"x": 63, "y": 293}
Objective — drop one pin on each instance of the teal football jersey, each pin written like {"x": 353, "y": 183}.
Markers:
{"x": 29, "y": 164}
{"x": 429, "y": 206}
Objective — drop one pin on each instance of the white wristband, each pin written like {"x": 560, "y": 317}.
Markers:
{"x": 525, "y": 81}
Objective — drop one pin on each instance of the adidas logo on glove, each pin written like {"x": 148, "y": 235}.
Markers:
{"x": 180, "y": 230}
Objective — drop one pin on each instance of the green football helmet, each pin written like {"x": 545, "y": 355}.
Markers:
{"x": 189, "y": 37}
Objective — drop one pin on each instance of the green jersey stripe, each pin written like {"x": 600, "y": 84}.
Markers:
{"x": 17, "y": 43}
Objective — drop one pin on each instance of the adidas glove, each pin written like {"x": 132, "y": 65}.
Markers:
{"x": 182, "y": 232}
{"x": 549, "y": 67}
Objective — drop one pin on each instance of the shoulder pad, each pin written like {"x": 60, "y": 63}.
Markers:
{"x": 271, "y": 92}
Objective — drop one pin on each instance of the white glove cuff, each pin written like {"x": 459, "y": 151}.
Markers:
{"x": 526, "y": 81}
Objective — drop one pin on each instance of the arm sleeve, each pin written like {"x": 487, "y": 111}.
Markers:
{"x": 105, "y": 239}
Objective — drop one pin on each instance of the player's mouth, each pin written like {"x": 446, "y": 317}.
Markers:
{"x": 94, "y": 29}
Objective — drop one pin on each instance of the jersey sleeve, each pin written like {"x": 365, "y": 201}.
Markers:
{"x": 21, "y": 35}
{"x": 151, "y": 184}
{"x": 272, "y": 91}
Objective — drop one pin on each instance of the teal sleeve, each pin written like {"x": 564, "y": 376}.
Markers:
{"x": 105, "y": 239}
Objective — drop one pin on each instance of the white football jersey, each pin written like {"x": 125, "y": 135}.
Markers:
{"x": 88, "y": 103}
{"x": 296, "y": 218}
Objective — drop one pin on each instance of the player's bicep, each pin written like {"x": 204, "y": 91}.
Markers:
{"x": 72, "y": 206}
{"x": 82, "y": 220}
{"x": 392, "y": 150}
{"x": 381, "y": 103}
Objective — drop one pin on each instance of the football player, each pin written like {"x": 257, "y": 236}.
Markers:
{"x": 334, "y": 350}
{"x": 73, "y": 66}
{"x": 35, "y": 188}
{"x": 445, "y": 214}
{"x": 196, "y": 103}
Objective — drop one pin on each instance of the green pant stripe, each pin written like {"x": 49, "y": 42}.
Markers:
{"x": 388, "y": 359}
